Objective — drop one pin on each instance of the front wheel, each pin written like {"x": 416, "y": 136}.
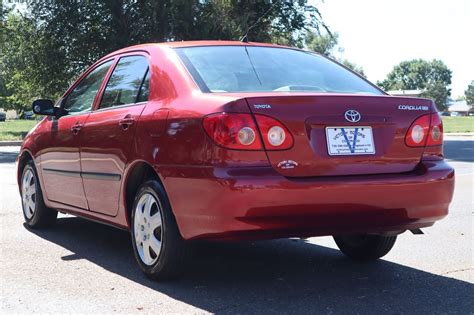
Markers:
{"x": 36, "y": 214}
{"x": 158, "y": 246}
{"x": 366, "y": 246}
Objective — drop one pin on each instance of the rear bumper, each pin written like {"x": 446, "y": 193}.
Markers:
{"x": 257, "y": 202}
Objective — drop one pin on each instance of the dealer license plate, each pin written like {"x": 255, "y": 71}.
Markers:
{"x": 350, "y": 140}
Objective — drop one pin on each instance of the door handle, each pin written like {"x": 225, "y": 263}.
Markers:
{"x": 76, "y": 128}
{"x": 126, "y": 122}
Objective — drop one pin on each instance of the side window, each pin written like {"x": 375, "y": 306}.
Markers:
{"x": 145, "y": 89}
{"x": 82, "y": 97}
{"x": 125, "y": 82}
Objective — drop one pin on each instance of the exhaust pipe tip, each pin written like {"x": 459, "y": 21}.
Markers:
{"x": 417, "y": 232}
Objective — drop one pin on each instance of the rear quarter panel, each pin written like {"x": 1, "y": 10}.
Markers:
{"x": 170, "y": 136}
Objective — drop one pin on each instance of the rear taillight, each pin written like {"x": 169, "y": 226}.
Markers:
{"x": 418, "y": 132}
{"x": 239, "y": 131}
{"x": 233, "y": 131}
{"x": 426, "y": 130}
{"x": 274, "y": 134}
{"x": 436, "y": 131}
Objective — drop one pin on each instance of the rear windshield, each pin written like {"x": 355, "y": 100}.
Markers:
{"x": 268, "y": 69}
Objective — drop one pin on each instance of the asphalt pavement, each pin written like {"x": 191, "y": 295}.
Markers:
{"x": 84, "y": 267}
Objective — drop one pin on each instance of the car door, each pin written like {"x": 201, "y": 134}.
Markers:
{"x": 107, "y": 140}
{"x": 60, "y": 159}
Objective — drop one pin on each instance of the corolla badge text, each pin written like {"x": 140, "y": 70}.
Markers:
{"x": 287, "y": 164}
{"x": 412, "y": 107}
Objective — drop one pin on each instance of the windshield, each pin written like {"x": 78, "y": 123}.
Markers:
{"x": 267, "y": 69}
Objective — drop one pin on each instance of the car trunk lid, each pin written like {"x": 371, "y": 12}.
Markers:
{"x": 316, "y": 120}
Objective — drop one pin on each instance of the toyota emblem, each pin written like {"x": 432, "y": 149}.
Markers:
{"x": 352, "y": 115}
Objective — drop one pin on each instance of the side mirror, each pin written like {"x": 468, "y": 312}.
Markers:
{"x": 44, "y": 107}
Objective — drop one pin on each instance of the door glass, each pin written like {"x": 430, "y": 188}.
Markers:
{"x": 125, "y": 82}
{"x": 145, "y": 89}
{"x": 82, "y": 97}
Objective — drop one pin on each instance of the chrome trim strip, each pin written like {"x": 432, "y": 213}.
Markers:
{"x": 103, "y": 176}
{"x": 62, "y": 172}
{"x": 88, "y": 175}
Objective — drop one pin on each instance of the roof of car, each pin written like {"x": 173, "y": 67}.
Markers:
{"x": 216, "y": 43}
{"x": 196, "y": 43}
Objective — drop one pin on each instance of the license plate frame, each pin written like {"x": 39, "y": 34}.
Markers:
{"x": 340, "y": 140}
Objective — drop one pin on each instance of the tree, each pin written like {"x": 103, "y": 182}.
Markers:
{"x": 90, "y": 29}
{"x": 30, "y": 65}
{"x": 51, "y": 43}
{"x": 3, "y": 88}
{"x": 469, "y": 94}
{"x": 325, "y": 44}
{"x": 354, "y": 67}
{"x": 322, "y": 43}
{"x": 432, "y": 77}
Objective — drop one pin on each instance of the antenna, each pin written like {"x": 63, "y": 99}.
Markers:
{"x": 245, "y": 37}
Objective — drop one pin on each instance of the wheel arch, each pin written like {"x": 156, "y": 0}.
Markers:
{"x": 137, "y": 174}
{"x": 24, "y": 157}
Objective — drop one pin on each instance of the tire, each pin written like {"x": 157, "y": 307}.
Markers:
{"x": 157, "y": 244}
{"x": 365, "y": 247}
{"x": 35, "y": 212}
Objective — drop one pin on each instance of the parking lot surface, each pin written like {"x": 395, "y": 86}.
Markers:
{"x": 81, "y": 266}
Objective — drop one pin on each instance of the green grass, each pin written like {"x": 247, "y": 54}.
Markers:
{"x": 458, "y": 124}
{"x": 12, "y": 130}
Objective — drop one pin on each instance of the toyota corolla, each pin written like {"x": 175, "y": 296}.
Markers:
{"x": 229, "y": 141}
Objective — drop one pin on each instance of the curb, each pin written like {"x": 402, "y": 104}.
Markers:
{"x": 10, "y": 143}
{"x": 468, "y": 134}
{"x": 459, "y": 134}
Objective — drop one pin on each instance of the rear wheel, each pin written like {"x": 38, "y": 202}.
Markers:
{"x": 365, "y": 246}
{"x": 157, "y": 243}
{"x": 35, "y": 212}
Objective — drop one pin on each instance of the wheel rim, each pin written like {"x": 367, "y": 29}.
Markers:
{"x": 148, "y": 230}
{"x": 28, "y": 193}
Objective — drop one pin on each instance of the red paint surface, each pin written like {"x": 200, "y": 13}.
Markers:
{"x": 229, "y": 194}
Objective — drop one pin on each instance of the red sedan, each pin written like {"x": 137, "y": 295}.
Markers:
{"x": 229, "y": 141}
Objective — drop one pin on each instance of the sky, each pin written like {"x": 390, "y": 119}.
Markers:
{"x": 379, "y": 34}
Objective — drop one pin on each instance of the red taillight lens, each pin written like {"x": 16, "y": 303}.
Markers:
{"x": 426, "y": 130}
{"x": 418, "y": 132}
{"x": 274, "y": 134}
{"x": 239, "y": 131}
{"x": 233, "y": 131}
{"x": 436, "y": 131}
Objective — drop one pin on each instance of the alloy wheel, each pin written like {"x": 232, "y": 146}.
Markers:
{"x": 28, "y": 193}
{"x": 148, "y": 230}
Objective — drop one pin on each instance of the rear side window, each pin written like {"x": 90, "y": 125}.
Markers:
{"x": 125, "y": 82}
{"x": 268, "y": 69}
{"x": 145, "y": 90}
{"x": 82, "y": 97}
